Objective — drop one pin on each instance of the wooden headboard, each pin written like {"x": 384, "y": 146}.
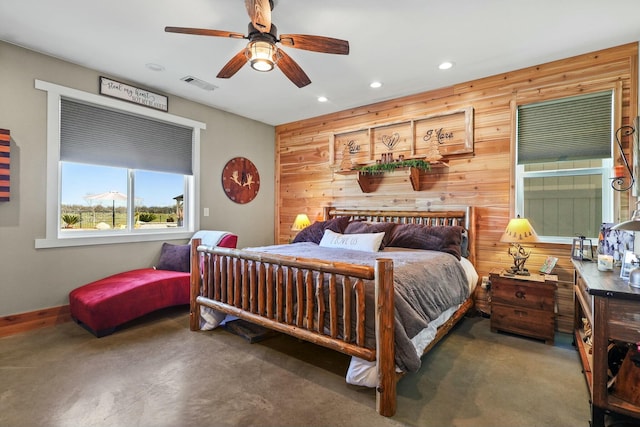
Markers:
{"x": 464, "y": 217}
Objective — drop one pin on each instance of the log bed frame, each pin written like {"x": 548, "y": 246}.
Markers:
{"x": 261, "y": 289}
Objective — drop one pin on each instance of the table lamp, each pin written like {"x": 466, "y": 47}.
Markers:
{"x": 301, "y": 222}
{"x": 518, "y": 231}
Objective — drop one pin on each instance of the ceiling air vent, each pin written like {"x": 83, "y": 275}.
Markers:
{"x": 200, "y": 83}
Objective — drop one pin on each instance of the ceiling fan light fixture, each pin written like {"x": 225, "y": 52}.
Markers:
{"x": 261, "y": 55}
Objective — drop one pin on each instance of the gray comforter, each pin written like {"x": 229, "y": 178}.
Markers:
{"x": 426, "y": 283}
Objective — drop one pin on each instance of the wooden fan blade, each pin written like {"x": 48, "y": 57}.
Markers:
{"x": 292, "y": 70}
{"x": 205, "y": 32}
{"x": 233, "y": 65}
{"x": 316, "y": 43}
{"x": 260, "y": 14}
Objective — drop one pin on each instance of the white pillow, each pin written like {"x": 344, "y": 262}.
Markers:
{"x": 367, "y": 242}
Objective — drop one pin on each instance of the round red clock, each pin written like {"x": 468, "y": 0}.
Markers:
{"x": 240, "y": 180}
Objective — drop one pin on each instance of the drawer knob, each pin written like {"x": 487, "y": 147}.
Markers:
{"x": 520, "y": 294}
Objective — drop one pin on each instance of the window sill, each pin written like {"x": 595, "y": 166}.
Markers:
{"x": 63, "y": 242}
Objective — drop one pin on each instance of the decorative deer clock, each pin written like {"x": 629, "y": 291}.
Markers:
{"x": 240, "y": 180}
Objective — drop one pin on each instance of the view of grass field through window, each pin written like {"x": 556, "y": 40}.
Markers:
{"x": 95, "y": 197}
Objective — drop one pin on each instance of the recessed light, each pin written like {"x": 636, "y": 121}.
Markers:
{"x": 322, "y": 99}
{"x": 375, "y": 85}
{"x": 445, "y": 65}
{"x": 154, "y": 67}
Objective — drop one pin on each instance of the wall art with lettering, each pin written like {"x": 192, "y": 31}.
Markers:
{"x": 428, "y": 137}
{"x": 133, "y": 94}
{"x": 452, "y": 131}
{"x": 395, "y": 139}
{"x": 352, "y": 148}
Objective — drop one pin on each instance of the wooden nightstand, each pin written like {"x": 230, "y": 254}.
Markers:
{"x": 524, "y": 305}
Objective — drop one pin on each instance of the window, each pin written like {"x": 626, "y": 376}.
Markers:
{"x": 117, "y": 172}
{"x": 564, "y": 159}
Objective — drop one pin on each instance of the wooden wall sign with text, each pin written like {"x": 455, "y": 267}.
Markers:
{"x": 453, "y": 132}
{"x": 133, "y": 94}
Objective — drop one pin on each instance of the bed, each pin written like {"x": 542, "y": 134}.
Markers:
{"x": 324, "y": 292}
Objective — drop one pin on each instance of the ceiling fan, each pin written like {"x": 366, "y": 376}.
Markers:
{"x": 262, "y": 52}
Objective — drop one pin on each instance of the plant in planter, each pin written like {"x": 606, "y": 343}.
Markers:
{"x": 391, "y": 166}
{"x": 70, "y": 219}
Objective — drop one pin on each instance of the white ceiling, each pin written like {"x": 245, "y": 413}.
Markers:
{"x": 399, "y": 43}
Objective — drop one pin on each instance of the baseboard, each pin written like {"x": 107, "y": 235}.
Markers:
{"x": 23, "y": 322}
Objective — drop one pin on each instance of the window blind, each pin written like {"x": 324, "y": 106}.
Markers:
{"x": 96, "y": 135}
{"x": 575, "y": 128}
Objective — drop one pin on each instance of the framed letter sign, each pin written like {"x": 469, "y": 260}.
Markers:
{"x": 133, "y": 94}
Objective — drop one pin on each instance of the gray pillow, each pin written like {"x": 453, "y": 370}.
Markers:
{"x": 175, "y": 258}
{"x": 361, "y": 227}
{"x": 436, "y": 238}
{"x": 315, "y": 231}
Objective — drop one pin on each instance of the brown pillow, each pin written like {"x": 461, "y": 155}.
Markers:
{"x": 315, "y": 231}
{"x": 436, "y": 238}
{"x": 361, "y": 227}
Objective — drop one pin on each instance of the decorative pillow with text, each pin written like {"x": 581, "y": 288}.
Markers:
{"x": 368, "y": 242}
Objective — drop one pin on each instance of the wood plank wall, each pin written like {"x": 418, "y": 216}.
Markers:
{"x": 305, "y": 182}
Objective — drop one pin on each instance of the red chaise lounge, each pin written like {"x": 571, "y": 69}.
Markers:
{"x": 103, "y": 305}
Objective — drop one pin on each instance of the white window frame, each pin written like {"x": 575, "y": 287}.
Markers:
{"x": 53, "y": 235}
{"x": 607, "y": 192}
{"x": 608, "y": 208}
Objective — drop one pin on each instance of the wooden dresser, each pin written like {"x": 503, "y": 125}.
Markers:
{"x": 524, "y": 305}
{"x": 612, "y": 309}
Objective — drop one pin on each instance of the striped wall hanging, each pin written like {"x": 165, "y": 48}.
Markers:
{"x": 4, "y": 165}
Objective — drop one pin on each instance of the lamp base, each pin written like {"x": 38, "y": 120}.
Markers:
{"x": 520, "y": 272}
{"x": 634, "y": 277}
{"x": 520, "y": 256}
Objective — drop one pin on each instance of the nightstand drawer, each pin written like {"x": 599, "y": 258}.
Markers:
{"x": 524, "y": 321}
{"x": 535, "y": 295}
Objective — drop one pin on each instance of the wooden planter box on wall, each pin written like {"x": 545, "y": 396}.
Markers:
{"x": 368, "y": 182}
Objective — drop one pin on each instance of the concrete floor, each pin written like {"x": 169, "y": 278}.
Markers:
{"x": 155, "y": 372}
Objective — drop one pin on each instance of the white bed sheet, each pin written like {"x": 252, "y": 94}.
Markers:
{"x": 364, "y": 373}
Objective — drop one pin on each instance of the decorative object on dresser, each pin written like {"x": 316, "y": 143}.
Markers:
{"x": 615, "y": 242}
{"x": 607, "y": 306}
{"x": 630, "y": 266}
{"x": 582, "y": 249}
{"x": 524, "y": 305}
{"x": 519, "y": 230}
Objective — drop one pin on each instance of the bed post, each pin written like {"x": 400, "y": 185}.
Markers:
{"x": 471, "y": 229}
{"x": 194, "y": 312}
{"x": 385, "y": 348}
{"x": 325, "y": 212}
